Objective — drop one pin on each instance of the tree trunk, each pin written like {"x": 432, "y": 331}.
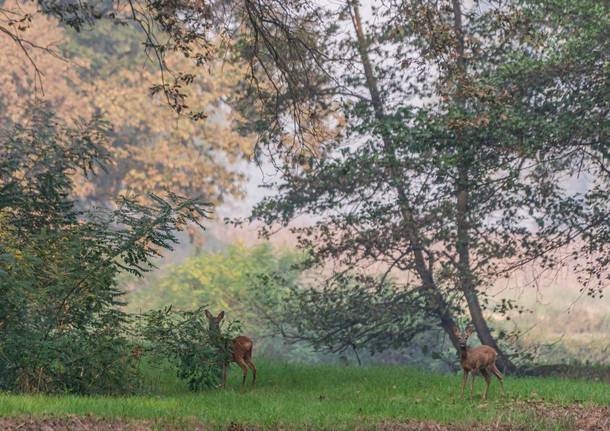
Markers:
{"x": 439, "y": 305}
{"x": 466, "y": 277}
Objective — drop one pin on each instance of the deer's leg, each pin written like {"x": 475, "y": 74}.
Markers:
{"x": 250, "y": 364}
{"x": 487, "y": 378}
{"x": 464, "y": 380}
{"x": 474, "y": 373}
{"x": 244, "y": 368}
{"x": 497, "y": 373}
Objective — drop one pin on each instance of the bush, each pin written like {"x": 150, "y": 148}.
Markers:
{"x": 183, "y": 338}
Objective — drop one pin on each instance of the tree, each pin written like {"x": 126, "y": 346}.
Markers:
{"x": 104, "y": 69}
{"x": 447, "y": 171}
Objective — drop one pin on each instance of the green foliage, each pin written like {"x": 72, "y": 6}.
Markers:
{"x": 61, "y": 325}
{"x": 185, "y": 340}
{"x": 223, "y": 280}
{"x": 230, "y": 280}
{"x": 52, "y": 345}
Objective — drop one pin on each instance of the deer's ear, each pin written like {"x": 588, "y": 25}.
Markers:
{"x": 208, "y": 314}
{"x": 455, "y": 331}
{"x": 469, "y": 330}
{"x": 221, "y": 315}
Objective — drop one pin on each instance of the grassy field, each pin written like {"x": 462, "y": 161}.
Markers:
{"x": 304, "y": 396}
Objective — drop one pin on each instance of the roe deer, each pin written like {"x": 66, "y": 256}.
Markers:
{"x": 241, "y": 352}
{"x": 481, "y": 358}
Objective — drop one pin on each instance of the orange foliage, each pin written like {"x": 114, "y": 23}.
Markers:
{"x": 153, "y": 149}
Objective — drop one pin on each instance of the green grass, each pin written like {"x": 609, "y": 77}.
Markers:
{"x": 300, "y": 396}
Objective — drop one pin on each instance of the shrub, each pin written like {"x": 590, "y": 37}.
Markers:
{"x": 183, "y": 338}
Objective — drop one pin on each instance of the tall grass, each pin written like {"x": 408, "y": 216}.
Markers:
{"x": 308, "y": 396}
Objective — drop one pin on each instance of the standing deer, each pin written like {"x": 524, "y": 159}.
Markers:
{"x": 481, "y": 358}
{"x": 241, "y": 352}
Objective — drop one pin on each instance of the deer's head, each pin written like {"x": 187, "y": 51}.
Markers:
{"x": 214, "y": 322}
{"x": 463, "y": 336}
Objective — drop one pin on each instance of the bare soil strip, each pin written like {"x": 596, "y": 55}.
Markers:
{"x": 571, "y": 417}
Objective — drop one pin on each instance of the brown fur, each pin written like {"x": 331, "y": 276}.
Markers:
{"x": 481, "y": 358}
{"x": 241, "y": 351}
